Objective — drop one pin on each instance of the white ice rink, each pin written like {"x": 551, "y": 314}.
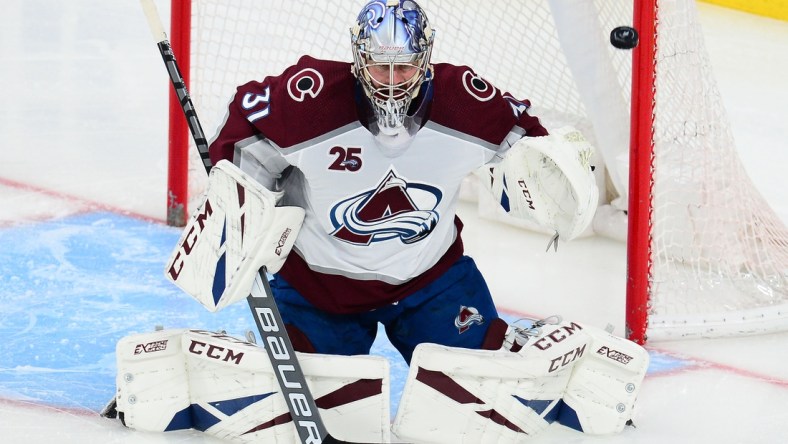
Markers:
{"x": 83, "y": 130}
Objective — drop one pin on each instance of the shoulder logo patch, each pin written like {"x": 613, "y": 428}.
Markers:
{"x": 307, "y": 82}
{"x": 477, "y": 86}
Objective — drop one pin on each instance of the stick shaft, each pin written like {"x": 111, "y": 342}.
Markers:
{"x": 303, "y": 409}
{"x": 178, "y": 83}
{"x": 278, "y": 345}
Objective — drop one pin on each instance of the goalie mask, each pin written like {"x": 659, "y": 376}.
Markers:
{"x": 392, "y": 43}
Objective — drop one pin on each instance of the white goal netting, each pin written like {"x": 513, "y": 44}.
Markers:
{"x": 719, "y": 255}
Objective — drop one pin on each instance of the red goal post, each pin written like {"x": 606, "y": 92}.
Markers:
{"x": 179, "y": 138}
{"x": 641, "y": 158}
{"x": 706, "y": 255}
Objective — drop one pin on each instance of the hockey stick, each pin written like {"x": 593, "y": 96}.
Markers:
{"x": 178, "y": 83}
{"x": 299, "y": 399}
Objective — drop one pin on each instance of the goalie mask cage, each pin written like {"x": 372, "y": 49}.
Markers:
{"x": 706, "y": 254}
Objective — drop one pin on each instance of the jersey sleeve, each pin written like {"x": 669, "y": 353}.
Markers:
{"x": 305, "y": 102}
{"x": 530, "y": 125}
{"x": 466, "y": 102}
{"x": 269, "y": 118}
{"x": 525, "y": 125}
{"x": 233, "y": 130}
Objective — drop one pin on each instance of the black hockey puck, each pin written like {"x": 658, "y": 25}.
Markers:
{"x": 624, "y": 37}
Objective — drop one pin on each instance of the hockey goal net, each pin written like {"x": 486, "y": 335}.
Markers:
{"x": 706, "y": 254}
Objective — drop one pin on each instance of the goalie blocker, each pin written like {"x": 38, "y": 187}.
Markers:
{"x": 234, "y": 232}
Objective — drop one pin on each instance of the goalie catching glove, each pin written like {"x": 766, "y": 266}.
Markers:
{"x": 234, "y": 232}
{"x": 548, "y": 180}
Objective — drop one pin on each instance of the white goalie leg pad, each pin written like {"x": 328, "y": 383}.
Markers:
{"x": 228, "y": 389}
{"x": 603, "y": 388}
{"x": 455, "y": 395}
{"x": 235, "y": 394}
{"x": 236, "y": 230}
{"x": 549, "y": 181}
{"x": 152, "y": 383}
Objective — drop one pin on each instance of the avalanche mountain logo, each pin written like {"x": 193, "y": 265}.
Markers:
{"x": 395, "y": 209}
{"x": 467, "y": 317}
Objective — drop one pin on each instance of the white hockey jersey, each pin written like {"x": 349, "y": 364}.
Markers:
{"x": 377, "y": 226}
